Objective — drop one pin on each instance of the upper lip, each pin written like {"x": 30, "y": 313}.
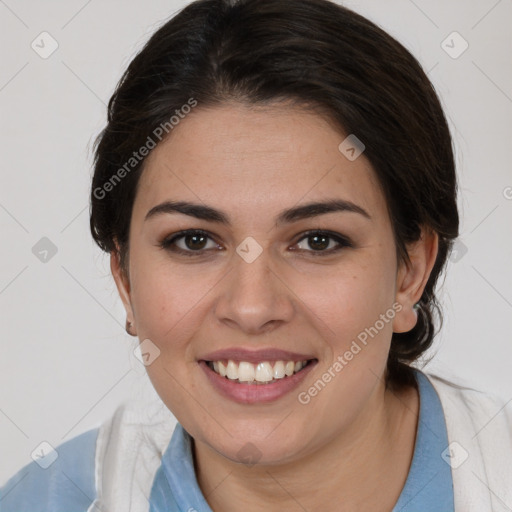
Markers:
{"x": 255, "y": 356}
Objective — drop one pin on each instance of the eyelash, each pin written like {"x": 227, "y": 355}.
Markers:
{"x": 168, "y": 243}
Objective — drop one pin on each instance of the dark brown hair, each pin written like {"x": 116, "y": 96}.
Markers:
{"x": 312, "y": 52}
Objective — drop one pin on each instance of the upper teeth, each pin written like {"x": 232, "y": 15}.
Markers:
{"x": 261, "y": 372}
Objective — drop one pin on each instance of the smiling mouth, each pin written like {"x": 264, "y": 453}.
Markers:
{"x": 265, "y": 372}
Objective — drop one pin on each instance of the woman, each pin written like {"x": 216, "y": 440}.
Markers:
{"x": 277, "y": 192}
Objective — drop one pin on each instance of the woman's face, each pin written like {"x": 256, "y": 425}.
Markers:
{"x": 254, "y": 287}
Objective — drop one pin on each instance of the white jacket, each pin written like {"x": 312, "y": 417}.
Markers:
{"x": 482, "y": 424}
{"x": 479, "y": 426}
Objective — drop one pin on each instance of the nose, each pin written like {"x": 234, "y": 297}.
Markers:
{"x": 254, "y": 297}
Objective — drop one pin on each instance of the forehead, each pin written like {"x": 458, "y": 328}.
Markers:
{"x": 263, "y": 158}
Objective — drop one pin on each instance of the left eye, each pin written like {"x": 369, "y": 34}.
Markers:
{"x": 320, "y": 241}
{"x": 189, "y": 241}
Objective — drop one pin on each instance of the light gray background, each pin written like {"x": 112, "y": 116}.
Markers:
{"x": 66, "y": 361}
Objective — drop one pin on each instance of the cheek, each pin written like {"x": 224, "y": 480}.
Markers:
{"x": 163, "y": 300}
{"x": 355, "y": 316}
{"x": 350, "y": 298}
{"x": 170, "y": 307}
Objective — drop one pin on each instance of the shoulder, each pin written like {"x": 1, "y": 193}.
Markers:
{"x": 470, "y": 409}
{"x": 479, "y": 428}
{"x": 61, "y": 480}
{"x": 129, "y": 450}
{"x": 454, "y": 392}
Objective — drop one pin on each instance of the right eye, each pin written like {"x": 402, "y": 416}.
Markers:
{"x": 191, "y": 242}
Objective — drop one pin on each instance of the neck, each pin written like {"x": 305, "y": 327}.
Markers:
{"x": 364, "y": 468}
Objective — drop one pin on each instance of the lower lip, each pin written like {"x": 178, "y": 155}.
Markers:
{"x": 255, "y": 393}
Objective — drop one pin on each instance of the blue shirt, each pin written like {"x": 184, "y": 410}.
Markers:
{"x": 68, "y": 484}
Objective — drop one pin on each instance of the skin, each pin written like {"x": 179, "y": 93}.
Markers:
{"x": 354, "y": 441}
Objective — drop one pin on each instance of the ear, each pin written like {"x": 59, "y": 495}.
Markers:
{"x": 123, "y": 287}
{"x": 412, "y": 278}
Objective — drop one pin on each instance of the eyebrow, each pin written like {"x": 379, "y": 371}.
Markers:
{"x": 296, "y": 213}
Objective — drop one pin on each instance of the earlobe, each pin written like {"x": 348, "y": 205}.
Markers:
{"x": 123, "y": 288}
{"x": 412, "y": 278}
